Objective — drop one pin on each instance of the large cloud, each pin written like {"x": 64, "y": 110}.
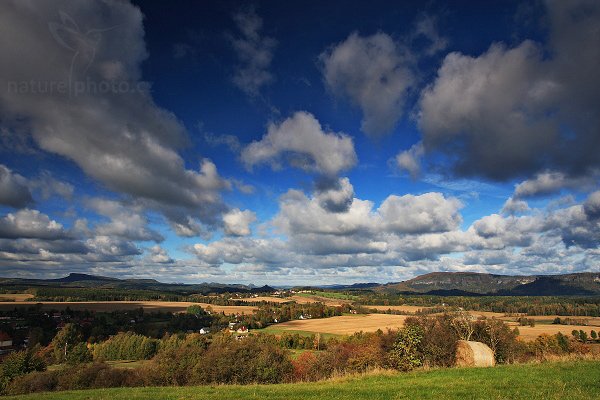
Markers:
{"x": 489, "y": 112}
{"x": 427, "y": 213}
{"x": 362, "y": 243}
{"x": 514, "y": 111}
{"x": 28, "y": 223}
{"x": 127, "y": 222}
{"x": 547, "y": 182}
{"x": 335, "y": 196}
{"x": 237, "y": 222}
{"x": 313, "y": 241}
{"x": 591, "y": 206}
{"x": 312, "y": 228}
{"x": 302, "y": 141}
{"x": 374, "y": 72}
{"x": 14, "y": 190}
{"x": 77, "y": 89}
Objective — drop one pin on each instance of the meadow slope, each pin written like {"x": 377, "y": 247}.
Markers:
{"x": 559, "y": 380}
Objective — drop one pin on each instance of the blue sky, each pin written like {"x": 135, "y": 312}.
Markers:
{"x": 299, "y": 142}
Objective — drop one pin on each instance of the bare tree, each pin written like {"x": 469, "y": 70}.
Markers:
{"x": 463, "y": 325}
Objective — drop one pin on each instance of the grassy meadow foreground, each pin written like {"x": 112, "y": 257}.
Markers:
{"x": 556, "y": 380}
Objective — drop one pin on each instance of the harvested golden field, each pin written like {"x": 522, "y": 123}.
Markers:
{"x": 15, "y": 296}
{"x": 318, "y": 299}
{"x": 345, "y": 324}
{"x": 592, "y": 321}
{"x": 349, "y": 324}
{"x": 530, "y": 333}
{"x": 149, "y": 306}
{"x": 266, "y": 298}
{"x": 298, "y": 299}
{"x": 410, "y": 309}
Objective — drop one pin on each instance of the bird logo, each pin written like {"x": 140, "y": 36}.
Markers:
{"x": 83, "y": 44}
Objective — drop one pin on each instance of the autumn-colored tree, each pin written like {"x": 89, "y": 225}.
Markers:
{"x": 19, "y": 363}
{"x": 405, "y": 354}
{"x": 79, "y": 354}
{"x": 65, "y": 340}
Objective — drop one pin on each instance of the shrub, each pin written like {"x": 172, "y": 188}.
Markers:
{"x": 254, "y": 359}
{"x": 527, "y": 321}
{"x": 546, "y": 345}
{"x": 308, "y": 367}
{"x": 64, "y": 341}
{"x": 19, "y": 363}
{"x": 499, "y": 337}
{"x": 96, "y": 375}
{"x": 126, "y": 346}
{"x": 34, "y": 382}
{"x": 440, "y": 337}
{"x": 79, "y": 354}
{"x": 174, "y": 367}
{"x": 406, "y": 354}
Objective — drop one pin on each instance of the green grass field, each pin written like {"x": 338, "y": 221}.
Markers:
{"x": 275, "y": 330}
{"x": 123, "y": 364}
{"x": 330, "y": 295}
{"x": 564, "y": 380}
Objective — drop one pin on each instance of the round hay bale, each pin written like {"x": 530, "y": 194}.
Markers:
{"x": 474, "y": 354}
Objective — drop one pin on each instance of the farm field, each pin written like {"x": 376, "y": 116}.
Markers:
{"x": 530, "y": 333}
{"x": 331, "y": 295}
{"x": 547, "y": 319}
{"x": 558, "y": 380}
{"x": 311, "y": 298}
{"x": 303, "y": 298}
{"x": 270, "y": 299}
{"x": 149, "y": 306}
{"x": 343, "y": 325}
{"x": 409, "y": 309}
{"x": 349, "y": 324}
{"x": 15, "y": 296}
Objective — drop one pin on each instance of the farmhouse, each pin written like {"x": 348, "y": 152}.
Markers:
{"x": 6, "y": 344}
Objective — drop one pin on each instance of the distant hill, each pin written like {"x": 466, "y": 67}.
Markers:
{"x": 435, "y": 283}
{"x": 367, "y": 285}
{"x": 77, "y": 280}
{"x": 74, "y": 277}
{"x": 471, "y": 283}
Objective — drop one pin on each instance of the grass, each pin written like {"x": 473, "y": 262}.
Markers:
{"x": 127, "y": 364}
{"x": 122, "y": 364}
{"x": 274, "y": 330}
{"x": 330, "y": 295}
{"x": 558, "y": 380}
